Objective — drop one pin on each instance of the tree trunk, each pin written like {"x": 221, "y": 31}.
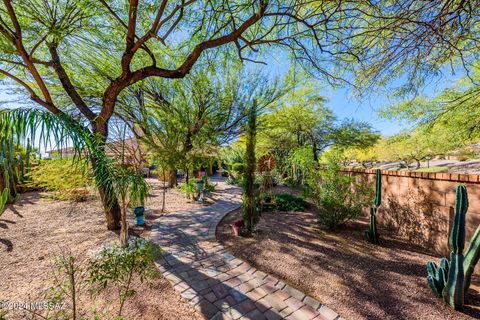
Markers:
{"x": 124, "y": 229}
{"x": 112, "y": 212}
{"x": 164, "y": 190}
{"x": 417, "y": 164}
{"x": 314, "y": 150}
{"x": 172, "y": 178}
{"x": 210, "y": 168}
{"x": 110, "y": 207}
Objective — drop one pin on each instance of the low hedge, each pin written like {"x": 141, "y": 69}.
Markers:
{"x": 288, "y": 202}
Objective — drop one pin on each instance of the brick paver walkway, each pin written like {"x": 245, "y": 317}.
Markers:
{"x": 216, "y": 283}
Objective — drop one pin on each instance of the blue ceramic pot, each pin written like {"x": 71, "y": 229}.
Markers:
{"x": 139, "y": 216}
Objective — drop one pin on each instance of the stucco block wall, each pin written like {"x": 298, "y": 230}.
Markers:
{"x": 420, "y": 206}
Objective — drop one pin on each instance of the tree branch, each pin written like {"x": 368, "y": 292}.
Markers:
{"x": 17, "y": 41}
{"x": 67, "y": 84}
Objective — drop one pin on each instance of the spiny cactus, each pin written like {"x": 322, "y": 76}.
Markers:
{"x": 372, "y": 234}
{"x": 471, "y": 259}
{"x": 437, "y": 275}
{"x": 453, "y": 293}
{"x": 454, "y": 288}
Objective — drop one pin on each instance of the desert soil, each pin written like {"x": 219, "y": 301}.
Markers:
{"x": 343, "y": 271}
{"x": 35, "y": 229}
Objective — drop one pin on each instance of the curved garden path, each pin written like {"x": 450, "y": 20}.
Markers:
{"x": 216, "y": 283}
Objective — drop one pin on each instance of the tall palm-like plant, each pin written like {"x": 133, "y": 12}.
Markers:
{"x": 130, "y": 188}
{"x": 19, "y": 124}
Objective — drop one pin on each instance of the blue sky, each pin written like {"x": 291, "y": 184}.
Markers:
{"x": 345, "y": 105}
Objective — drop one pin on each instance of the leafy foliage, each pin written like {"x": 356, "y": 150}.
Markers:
{"x": 339, "y": 197}
{"x": 238, "y": 168}
{"x": 18, "y": 124}
{"x": 119, "y": 267}
{"x": 288, "y": 202}
{"x": 131, "y": 189}
{"x": 300, "y": 128}
{"x": 70, "y": 275}
{"x": 66, "y": 179}
{"x": 114, "y": 267}
{"x": 188, "y": 188}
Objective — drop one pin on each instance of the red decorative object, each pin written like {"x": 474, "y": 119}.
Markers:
{"x": 266, "y": 163}
{"x": 237, "y": 226}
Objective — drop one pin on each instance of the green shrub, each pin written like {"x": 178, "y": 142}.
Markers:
{"x": 435, "y": 169}
{"x": 288, "y": 202}
{"x": 209, "y": 187}
{"x": 238, "y": 168}
{"x": 65, "y": 179}
{"x": 189, "y": 188}
{"x": 290, "y": 182}
{"x": 119, "y": 267}
{"x": 339, "y": 197}
{"x": 232, "y": 180}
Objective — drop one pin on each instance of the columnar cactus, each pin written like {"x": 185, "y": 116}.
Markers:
{"x": 372, "y": 234}
{"x": 454, "y": 288}
{"x": 453, "y": 293}
{"x": 437, "y": 276}
{"x": 471, "y": 259}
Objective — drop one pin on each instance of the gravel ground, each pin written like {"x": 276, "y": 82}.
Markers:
{"x": 36, "y": 229}
{"x": 356, "y": 279}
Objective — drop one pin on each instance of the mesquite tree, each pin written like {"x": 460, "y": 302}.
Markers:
{"x": 75, "y": 57}
{"x": 208, "y": 108}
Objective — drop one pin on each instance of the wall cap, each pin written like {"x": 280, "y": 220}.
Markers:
{"x": 470, "y": 178}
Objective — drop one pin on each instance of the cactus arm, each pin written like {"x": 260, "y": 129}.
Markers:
{"x": 372, "y": 234}
{"x": 471, "y": 259}
{"x": 378, "y": 188}
{"x": 456, "y": 241}
{"x": 432, "y": 279}
{"x": 453, "y": 293}
{"x": 437, "y": 276}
